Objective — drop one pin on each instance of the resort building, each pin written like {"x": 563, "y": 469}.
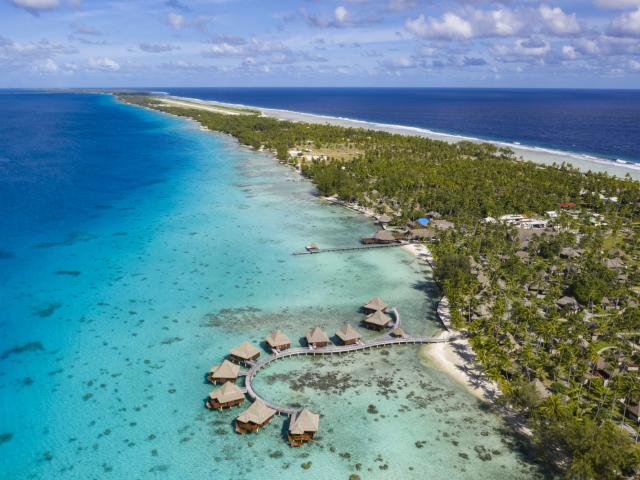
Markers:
{"x": 254, "y": 417}
{"x": 384, "y": 219}
{"x": 226, "y": 372}
{"x": 303, "y": 427}
{"x": 317, "y": 338}
{"x": 348, "y": 335}
{"x": 243, "y": 353}
{"x": 278, "y": 341}
{"x": 227, "y": 396}
{"x": 374, "y": 305}
{"x": 377, "y": 320}
{"x": 381, "y": 237}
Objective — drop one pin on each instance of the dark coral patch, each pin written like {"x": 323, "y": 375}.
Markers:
{"x": 27, "y": 347}
{"x": 48, "y": 310}
{"x": 71, "y": 273}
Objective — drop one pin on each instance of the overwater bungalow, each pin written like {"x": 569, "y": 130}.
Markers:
{"x": 227, "y": 396}
{"x": 243, "y": 353}
{"x": 255, "y": 417}
{"x": 374, "y": 305}
{"x": 381, "y": 237}
{"x": 398, "y": 332}
{"x": 317, "y": 338}
{"x": 303, "y": 427}
{"x": 348, "y": 335}
{"x": 278, "y": 341}
{"x": 226, "y": 372}
{"x": 377, "y": 321}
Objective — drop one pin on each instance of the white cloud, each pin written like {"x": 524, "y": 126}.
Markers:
{"x": 626, "y": 25}
{"x": 475, "y": 23}
{"x": 450, "y": 27}
{"x": 569, "y": 52}
{"x": 36, "y": 5}
{"x": 224, "y": 49}
{"x": 532, "y": 49}
{"x": 635, "y": 65}
{"x": 175, "y": 20}
{"x": 558, "y": 22}
{"x": 104, "y": 64}
{"x": 48, "y": 66}
{"x": 158, "y": 47}
{"x": 341, "y": 14}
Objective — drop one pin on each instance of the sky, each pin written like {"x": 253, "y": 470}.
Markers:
{"x": 450, "y": 43}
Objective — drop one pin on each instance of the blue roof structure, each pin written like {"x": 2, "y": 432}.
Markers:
{"x": 423, "y": 221}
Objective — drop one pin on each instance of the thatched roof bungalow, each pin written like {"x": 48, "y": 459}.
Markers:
{"x": 384, "y": 218}
{"x": 374, "y": 305}
{"x": 398, "y": 332}
{"x": 303, "y": 427}
{"x": 317, "y": 338}
{"x": 243, "y": 353}
{"x": 227, "y": 396}
{"x": 254, "y": 417}
{"x": 348, "y": 335}
{"x": 377, "y": 320}
{"x": 278, "y": 341}
{"x": 381, "y": 237}
{"x": 225, "y": 372}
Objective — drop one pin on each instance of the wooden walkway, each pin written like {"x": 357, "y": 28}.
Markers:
{"x": 349, "y": 249}
{"x": 380, "y": 342}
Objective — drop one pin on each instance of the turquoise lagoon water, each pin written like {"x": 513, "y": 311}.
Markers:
{"x": 137, "y": 249}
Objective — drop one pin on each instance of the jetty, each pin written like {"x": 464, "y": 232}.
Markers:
{"x": 313, "y": 251}
{"x": 302, "y": 423}
{"x": 386, "y": 340}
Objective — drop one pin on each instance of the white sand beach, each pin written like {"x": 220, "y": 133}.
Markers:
{"x": 534, "y": 154}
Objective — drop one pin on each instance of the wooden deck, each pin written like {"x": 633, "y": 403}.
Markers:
{"x": 385, "y": 340}
{"x": 350, "y": 249}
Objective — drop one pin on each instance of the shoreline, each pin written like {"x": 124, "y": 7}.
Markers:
{"x": 541, "y": 155}
{"x": 455, "y": 358}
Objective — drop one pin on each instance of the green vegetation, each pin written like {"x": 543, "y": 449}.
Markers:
{"x": 554, "y": 316}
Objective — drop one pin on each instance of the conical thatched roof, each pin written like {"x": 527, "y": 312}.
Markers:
{"x": 384, "y": 236}
{"x": 348, "y": 333}
{"x": 378, "y": 318}
{"x": 225, "y": 370}
{"x": 398, "y": 332}
{"x": 375, "y": 304}
{"x": 257, "y": 413}
{"x": 305, "y": 421}
{"x": 228, "y": 392}
{"x": 245, "y": 351}
{"x": 277, "y": 338}
{"x": 316, "y": 335}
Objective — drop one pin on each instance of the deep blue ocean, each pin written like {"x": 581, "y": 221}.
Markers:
{"x": 602, "y": 123}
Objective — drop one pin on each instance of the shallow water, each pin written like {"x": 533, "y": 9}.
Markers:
{"x": 117, "y": 302}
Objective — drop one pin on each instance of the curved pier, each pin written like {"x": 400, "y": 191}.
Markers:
{"x": 383, "y": 341}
